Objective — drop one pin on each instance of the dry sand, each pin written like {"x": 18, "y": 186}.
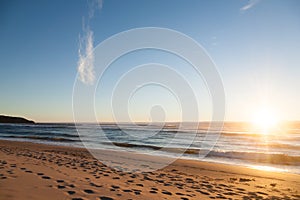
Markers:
{"x": 36, "y": 171}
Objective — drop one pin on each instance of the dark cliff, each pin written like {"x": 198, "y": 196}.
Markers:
{"x": 15, "y": 120}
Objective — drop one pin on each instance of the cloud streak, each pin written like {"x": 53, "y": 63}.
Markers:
{"x": 86, "y": 57}
{"x": 94, "y": 5}
{"x": 249, "y": 5}
{"x": 85, "y": 64}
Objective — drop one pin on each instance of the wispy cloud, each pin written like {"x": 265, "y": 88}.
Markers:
{"x": 85, "y": 65}
{"x": 94, "y": 5}
{"x": 250, "y": 4}
{"x": 86, "y": 57}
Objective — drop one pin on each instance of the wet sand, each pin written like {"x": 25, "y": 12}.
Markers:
{"x": 37, "y": 171}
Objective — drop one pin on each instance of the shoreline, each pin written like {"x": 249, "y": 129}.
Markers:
{"x": 183, "y": 179}
{"x": 264, "y": 166}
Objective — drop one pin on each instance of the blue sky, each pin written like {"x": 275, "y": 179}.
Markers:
{"x": 256, "y": 50}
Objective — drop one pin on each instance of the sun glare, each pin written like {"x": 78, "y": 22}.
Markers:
{"x": 265, "y": 119}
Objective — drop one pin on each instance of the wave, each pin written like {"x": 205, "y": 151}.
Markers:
{"x": 153, "y": 147}
{"x": 56, "y": 125}
{"x": 57, "y": 135}
{"x": 239, "y": 143}
{"x": 260, "y": 157}
{"x": 281, "y": 146}
{"x": 39, "y": 125}
{"x": 40, "y": 133}
{"x": 56, "y": 139}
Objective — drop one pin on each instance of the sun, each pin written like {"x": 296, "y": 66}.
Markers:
{"x": 265, "y": 119}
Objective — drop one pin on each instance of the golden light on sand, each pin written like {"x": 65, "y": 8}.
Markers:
{"x": 265, "y": 119}
{"x": 268, "y": 168}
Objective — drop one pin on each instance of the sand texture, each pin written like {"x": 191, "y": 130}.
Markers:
{"x": 37, "y": 171}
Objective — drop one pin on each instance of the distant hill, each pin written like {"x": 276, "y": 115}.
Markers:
{"x": 15, "y": 120}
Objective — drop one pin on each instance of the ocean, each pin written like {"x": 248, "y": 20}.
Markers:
{"x": 237, "y": 143}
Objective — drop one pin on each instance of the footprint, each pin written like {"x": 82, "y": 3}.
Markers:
{"x": 95, "y": 185}
{"x": 244, "y": 180}
{"x": 61, "y": 187}
{"x": 230, "y": 193}
{"x": 202, "y": 192}
{"x": 262, "y": 193}
{"x": 105, "y": 198}
{"x": 166, "y": 192}
{"x": 273, "y": 184}
{"x": 133, "y": 176}
{"x": 88, "y": 191}
{"x": 115, "y": 186}
{"x": 189, "y": 180}
{"x": 71, "y": 192}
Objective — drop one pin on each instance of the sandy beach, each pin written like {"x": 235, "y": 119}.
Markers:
{"x": 37, "y": 171}
{"x": 150, "y": 100}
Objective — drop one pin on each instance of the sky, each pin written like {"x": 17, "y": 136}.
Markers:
{"x": 254, "y": 44}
